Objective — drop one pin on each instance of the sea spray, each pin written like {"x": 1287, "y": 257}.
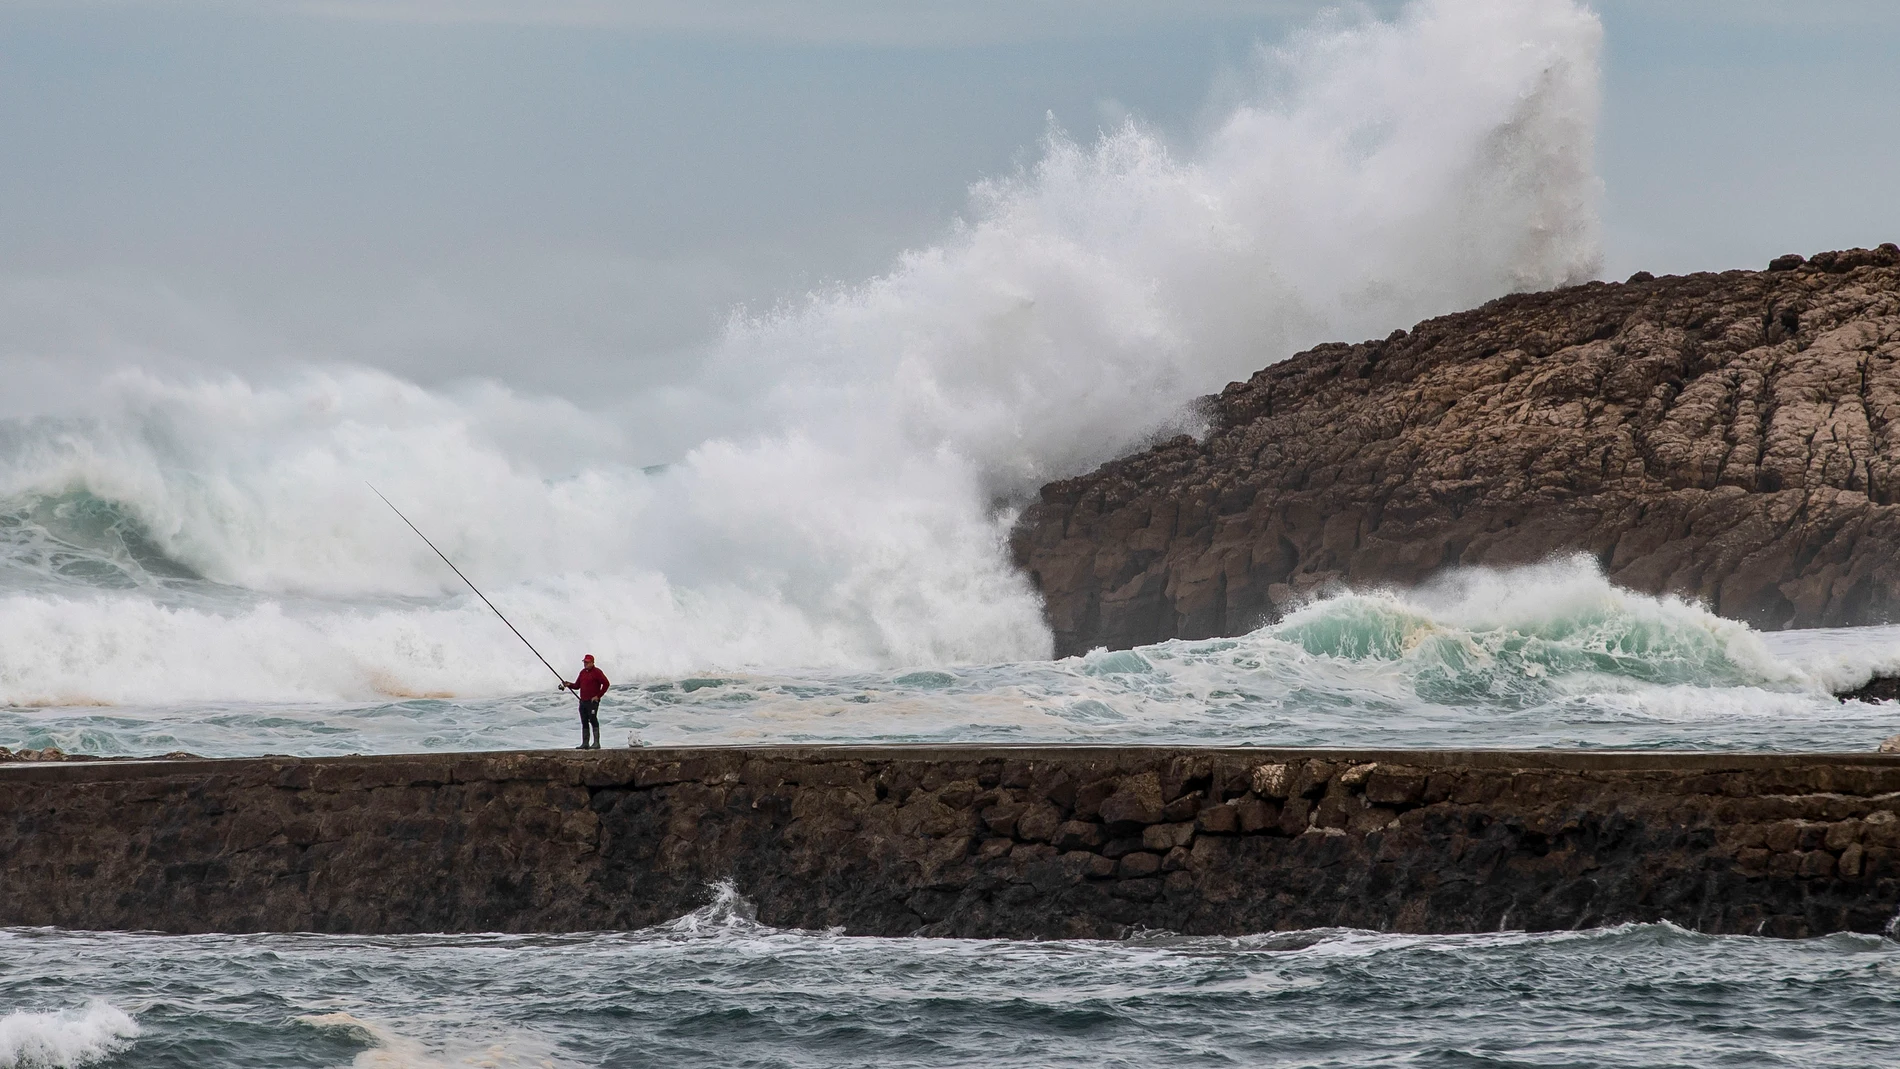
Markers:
{"x": 1521, "y": 636}
{"x": 839, "y": 495}
{"x": 64, "y": 1039}
{"x": 1549, "y": 655}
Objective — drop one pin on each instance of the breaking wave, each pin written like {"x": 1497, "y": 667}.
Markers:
{"x": 64, "y": 1039}
{"x": 831, "y": 487}
{"x": 1521, "y": 636}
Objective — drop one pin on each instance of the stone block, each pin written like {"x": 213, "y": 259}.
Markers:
{"x": 1089, "y": 798}
{"x": 1137, "y": 865}
{"x": 1127, "y": 844}
{"x": 1295, "y": 815}
{"x": 1018, "y": 774}
{"x": 1256, "y": 814}
{"x": 1314, "y": 777}
{"x": 1355, "y": 775}
{"x": 1218, "y": 820}
{"x": 1136, "y": 801}
{"x": 1389, "y": 786}
{"x": 1439, "y": 787}
{"x": 1880, "y": 828}
{"x": 1164, "y": 837}
{"x": 1337, "y": 809}
{"x": 1182, "y": 808}
{"x": 1815, "y": 864}
{"x": 1783, "y": 836}
{"x": 1851, "y": 859}
{"x": 1025, "y": 853}
{"x": 1841, "y": 835}
{"x": 1272, "y": 781}
{"x": 1140, "y": 890}
{"x": 1001, "y": 819}
{"x": 1179, "y": 772}
{"x": 1370, "y": 819}
{"x": 959, "y": 794}
{"x": 1175, "y": 860}
{"x": 1039, "y": 822}
{"x": 1077, "y": 835}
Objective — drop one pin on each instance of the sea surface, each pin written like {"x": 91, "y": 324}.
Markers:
{"x": 799, "y": 533}
{"x": 121, "y": 662}
{"x": 717, "y": 989}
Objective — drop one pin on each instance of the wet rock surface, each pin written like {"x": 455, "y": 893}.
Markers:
{"x": 1877, "y": 689}
{"x": 973, "y": 841}
{"x": 1729, "y": 437}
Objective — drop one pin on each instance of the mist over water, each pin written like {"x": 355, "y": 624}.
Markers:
{"x": 831, "y": 487}
{"x": 804, "y": 539}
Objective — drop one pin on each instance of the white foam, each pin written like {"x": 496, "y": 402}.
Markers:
{"x": 833, "y": 497}
{"x": 391, "y": 1049}
{"x": 61, "y": 1039}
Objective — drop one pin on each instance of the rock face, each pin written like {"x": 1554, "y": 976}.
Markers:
{"x": 976, "y": 841}
{"x": 1730, "y": 437}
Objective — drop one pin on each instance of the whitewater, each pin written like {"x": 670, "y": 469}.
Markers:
{"x": 716, "y": 988}
{"x": 802, "y": 538}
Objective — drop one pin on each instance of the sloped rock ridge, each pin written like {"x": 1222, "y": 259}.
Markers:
{"x": 979, "y": 841}
{"x": 1732, "y": 437}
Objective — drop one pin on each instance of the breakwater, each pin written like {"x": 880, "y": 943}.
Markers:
{"x": 966, "y": 841}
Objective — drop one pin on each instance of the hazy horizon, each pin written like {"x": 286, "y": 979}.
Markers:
{"x": 561, "y": 195}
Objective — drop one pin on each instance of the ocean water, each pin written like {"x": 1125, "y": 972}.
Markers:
{"x": 1547, "y": 656}
{"x": 802, "y": 537}
{"x": 717, "y": 989}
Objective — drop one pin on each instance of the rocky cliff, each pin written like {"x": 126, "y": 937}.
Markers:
{"x": 1730, "y": 437}
{"x": 968, "y": 841}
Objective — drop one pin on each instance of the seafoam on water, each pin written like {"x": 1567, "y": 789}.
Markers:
{"x": 717, "y": 988}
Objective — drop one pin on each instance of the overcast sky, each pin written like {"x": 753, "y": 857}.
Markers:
{"x": 584, "y": 189}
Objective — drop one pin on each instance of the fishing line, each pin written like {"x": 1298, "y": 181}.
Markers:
{"x": 471, "y": 585}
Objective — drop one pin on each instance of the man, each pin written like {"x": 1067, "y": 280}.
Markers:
{"x": 588, "y": 687}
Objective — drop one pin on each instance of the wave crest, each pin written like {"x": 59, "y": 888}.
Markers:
{"x": 64, "y": 1039}
{"x": 1522, "y": 636}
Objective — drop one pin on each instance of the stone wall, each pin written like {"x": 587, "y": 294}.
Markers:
{"x": 972, "y": 841}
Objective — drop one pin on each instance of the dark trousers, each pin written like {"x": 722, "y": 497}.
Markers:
{"x": 590, "y": 718}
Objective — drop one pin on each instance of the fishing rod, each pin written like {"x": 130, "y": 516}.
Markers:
{"x": 465, "y": 579}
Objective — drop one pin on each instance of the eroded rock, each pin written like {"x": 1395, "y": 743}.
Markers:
{"x": 1733, "y": 438}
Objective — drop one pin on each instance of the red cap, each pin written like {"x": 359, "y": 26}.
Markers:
{"x": 588, "y": 658}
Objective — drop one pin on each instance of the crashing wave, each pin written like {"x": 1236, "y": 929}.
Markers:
{"x": 64, "y": 1039}
{"x": 1522, "y": 636}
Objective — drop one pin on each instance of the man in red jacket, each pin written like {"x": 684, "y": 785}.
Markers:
{"x": 588, "y": 687}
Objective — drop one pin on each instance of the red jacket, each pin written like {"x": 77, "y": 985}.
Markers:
{"x": 590, "y": 684}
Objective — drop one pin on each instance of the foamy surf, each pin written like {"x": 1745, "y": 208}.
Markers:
{"x": 814, "y": 546}
{"x": 732, "y": 993}
{"x": 389, "y": 1048}
{"x": 64, "y": 1039}
{"x": 823, "y": 490}
{"x": 1552, "y": 655}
